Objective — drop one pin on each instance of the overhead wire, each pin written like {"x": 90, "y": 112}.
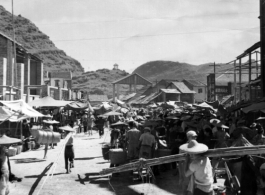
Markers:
{"x": 142, "y": 19}
{"x": 150, "y": 35}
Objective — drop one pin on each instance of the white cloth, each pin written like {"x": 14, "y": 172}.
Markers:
{"x": 203, "y": 175}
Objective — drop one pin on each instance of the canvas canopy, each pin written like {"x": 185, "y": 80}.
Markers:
{"x": 6, "y": 114}
{"x": 254, "y": 107}
{"x": 48, "y": 102}
{"x": 22, "y": 107}
{"x": 79, "y": 105}
{"x": 205, "y": 105}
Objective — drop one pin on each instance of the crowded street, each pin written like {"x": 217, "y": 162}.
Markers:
{"x": 84, "y": 178}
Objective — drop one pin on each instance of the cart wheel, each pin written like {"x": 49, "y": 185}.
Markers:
{"x": 235, "y": 183}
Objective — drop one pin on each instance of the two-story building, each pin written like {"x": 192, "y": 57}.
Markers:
{"x": 200, "y": 89}
{"x": 16, "y": 75}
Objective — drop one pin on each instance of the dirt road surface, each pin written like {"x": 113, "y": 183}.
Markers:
{"x": 84, "y": 178}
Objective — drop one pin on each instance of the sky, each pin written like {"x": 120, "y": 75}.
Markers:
{"x": 100, "y": 33}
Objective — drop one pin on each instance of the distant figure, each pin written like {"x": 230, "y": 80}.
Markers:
{"x": 132, "y": 138}
{"x": 147, "y": 144}
{"x": 85, "y": 122}
{"x": 90, "y": 122}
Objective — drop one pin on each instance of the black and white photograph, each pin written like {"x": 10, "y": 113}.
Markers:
{"x": 132, "y": 97}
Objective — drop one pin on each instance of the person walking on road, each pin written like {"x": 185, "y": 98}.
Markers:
{"x": 69, "y": 153}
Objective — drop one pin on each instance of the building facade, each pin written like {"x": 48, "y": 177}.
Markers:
{"x": 200, "y": 89}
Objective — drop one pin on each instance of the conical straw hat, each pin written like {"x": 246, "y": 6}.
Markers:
{"x": 8, "y": 140}
{"x": 66, "y": 128}
{"x": 193, "y": 147}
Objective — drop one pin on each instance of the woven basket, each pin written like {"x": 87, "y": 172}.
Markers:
{"x": 117, "y": 156}
{"x": 19, "y": 148}
{"x": 12, "y": 151}
{"x": 105, "y": 151}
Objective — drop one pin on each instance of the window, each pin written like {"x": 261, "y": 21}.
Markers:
{"x": 200, "y": 90}
{"x": 57, "y": 83}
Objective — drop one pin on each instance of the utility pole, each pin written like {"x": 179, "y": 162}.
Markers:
{"x": 214, "y": 70}
{"x": 13, "y": 66}
{"x": 262, "y": 45}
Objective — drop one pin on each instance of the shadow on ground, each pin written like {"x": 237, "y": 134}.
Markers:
{"x": 124, "y": 184}
{"x": 39, "y": 177}
{"x": 90, "y": 138}
{"x": 88, "y": 158}
{"x": 113, "y": 184}
{"x": 36, "y": 176}
{"x": 28, "y": 160}
{"x": 103, "y": 162}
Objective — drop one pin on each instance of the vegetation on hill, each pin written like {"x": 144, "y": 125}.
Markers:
{"x": 37, "y": 43}
{"x": 99, "y": 81}
{"x": 158, "y": 70}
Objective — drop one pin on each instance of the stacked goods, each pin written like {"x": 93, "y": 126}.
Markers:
{"x": 46, "y": 137}
{"x": 105, "y": 151}
{"x": 117, "y": 156}
{"x": 12, "y": 151}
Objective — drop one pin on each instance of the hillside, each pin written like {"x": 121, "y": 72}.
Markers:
{"x": 37, "y": 43}
{"x": 99, "y": 81}
{"x": 157, "y": 70}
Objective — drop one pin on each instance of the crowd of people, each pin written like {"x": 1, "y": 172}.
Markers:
{"x": 143, "y": 132}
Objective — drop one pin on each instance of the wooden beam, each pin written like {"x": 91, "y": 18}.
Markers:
{"x": 220, "y": 152}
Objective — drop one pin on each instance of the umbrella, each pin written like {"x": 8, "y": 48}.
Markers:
{"x": 172, "y": 118}
{"x": 67, "y": 128}
{"x": 77, "y": 105}
{"x": 112, "y": 113}
{"x": 138, "y": 117}
{"x": 214, "y": 121}
{"x": 261, "y": 118}
{"x": 51, "y": 122}
{"x": 119, "y": 123}
{"x": 222, "y": 126}
{"x": 8, "y": 140}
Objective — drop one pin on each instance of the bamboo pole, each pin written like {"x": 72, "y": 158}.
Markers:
{"x": 220, "y": 152}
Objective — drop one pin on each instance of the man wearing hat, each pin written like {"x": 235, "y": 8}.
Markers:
{"x": 191, "y": 135}
{"x": 147, "y": 144}
{"x": 199, "y": 168}
{"x": 69, "y": 154}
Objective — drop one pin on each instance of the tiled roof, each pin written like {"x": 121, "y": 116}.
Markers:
{"x": 195, "y": 83}
{"x": 145, "y": 99}
{"x": 98, "y": 98}
{"x": 170, "y": 91}
{"x": 127, "y": 97}
{"x": 182, "y": 87}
